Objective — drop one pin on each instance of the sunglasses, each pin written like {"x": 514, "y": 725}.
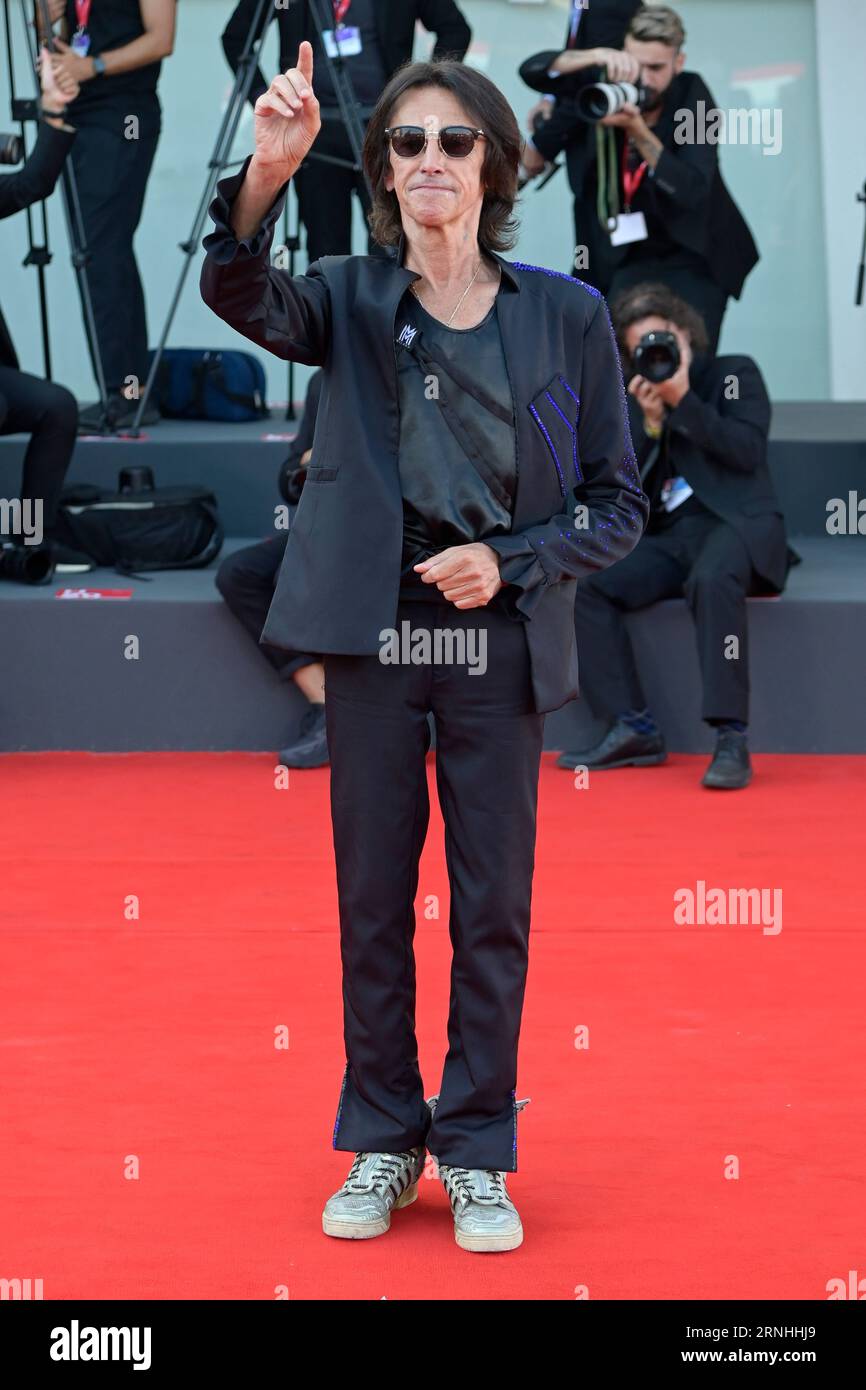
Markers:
{"x": 455, "y": 141}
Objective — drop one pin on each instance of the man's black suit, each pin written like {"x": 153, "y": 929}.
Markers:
{"x": 722, "y": 544}
{"x": 339, "y": 583}
{"x": 715, "y": 250}
{"x": 603, "y": 24}
{"x": 577, "y": 506}
{"x": 325, "y": 191}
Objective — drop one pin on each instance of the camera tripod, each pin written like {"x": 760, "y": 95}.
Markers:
{"x": 39, "y": 253}
{"x": 220, "y": 160}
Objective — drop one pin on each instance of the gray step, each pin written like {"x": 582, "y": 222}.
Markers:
{"x": 201, "y": 683}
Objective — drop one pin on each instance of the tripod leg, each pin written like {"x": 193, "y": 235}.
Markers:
{"x": 80, "y": 259}
{"x": 219, "y": 160}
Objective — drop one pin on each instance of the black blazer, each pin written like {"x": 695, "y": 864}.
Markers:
{"x": 395, "y": 22}
{"x": 338, "y": 587}
{"x": 719, "y": 445}
{"x": 292, "y": 474}
{"x": 34, "y": 180}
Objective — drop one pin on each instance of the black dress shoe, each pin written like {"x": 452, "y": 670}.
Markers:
{"x": 92, "y": 419}
{"x": 731, "y": 767}
{"x": 310, "y": 748}
{"x": 622, "y": 746}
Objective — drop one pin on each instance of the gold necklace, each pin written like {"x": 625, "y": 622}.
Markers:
{"x": 460, "y": 301}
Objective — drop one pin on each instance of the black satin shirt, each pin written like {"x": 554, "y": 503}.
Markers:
{"x": 457, "y": 437}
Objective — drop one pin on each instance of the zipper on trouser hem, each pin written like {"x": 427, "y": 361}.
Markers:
{"x": 340, "y": 1105}
{"x": 518, "y": 1105}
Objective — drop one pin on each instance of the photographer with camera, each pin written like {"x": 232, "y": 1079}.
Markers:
{"x": 114, "y": 49}
{"x": 29, "y": 404}
{"x": 593, "y": 47}
{"x": 373, "y": 39}
{"x": 673, "y": 219}
{"x": 716, "y": 533}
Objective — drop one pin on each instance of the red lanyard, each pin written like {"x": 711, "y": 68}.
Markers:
{"x": 631, "y": 179}
{"x": 82, "y": 12}
{"x": 340, "y": 10}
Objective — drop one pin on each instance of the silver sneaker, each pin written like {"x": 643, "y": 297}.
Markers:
{"x": 485, "y": 1218}
{"x": 377, "y": 1184}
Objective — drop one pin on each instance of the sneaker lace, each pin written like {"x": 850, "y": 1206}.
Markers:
{"x": 462, "y": 1185}
{"x": 379, "y": 1176}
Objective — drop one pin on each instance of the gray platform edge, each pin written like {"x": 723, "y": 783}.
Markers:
{"x": 817, "y": 452}
{"x": 200, "y": 683}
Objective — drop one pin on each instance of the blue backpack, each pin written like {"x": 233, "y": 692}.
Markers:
{"x": 198, "y": 384}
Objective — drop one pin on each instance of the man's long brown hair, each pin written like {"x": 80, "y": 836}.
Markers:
{"x": 489, "y": 111}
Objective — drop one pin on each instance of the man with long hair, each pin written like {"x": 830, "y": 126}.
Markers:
{"x": 471, "y": 459}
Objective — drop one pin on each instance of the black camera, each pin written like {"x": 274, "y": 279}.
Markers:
{"x": 600, "y": 99}
{"x": 11, "y": 148}
{"x": 657, "y": 356}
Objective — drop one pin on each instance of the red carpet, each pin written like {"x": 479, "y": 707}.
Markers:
{"x": 155, "y": 1038}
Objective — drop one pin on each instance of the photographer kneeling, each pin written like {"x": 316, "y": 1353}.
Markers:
{"x": 716, "y": 533}
{"x": 29, "y": 404}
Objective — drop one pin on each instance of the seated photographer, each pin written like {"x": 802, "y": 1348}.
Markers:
{"x": 29, "y": 404}
{"x": 716, "y": 533}
{"x": 246, "y": 581}
{"x": 677, "y": 223}
{"x": 374, "y": 38}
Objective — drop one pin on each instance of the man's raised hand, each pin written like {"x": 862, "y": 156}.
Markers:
{"x": 287, "y": 118}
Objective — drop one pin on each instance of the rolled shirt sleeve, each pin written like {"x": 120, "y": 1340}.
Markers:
{"x": 288, "y": 315}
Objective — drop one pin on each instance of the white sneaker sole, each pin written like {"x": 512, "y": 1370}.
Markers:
{"x": 365, "y": 1230}
{"x": 481, "y": 1244}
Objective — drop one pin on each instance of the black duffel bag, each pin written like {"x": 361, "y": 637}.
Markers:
{"x": 141, "y": 527}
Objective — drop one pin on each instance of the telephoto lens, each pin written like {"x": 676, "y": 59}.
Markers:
{"x": 26, "y": 564}
{"x": 601, "y": 99}
{"x": 11, "y": 148}
{"x": 657, "y": 356}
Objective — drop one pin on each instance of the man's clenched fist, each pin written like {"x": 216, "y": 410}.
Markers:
{"x": 466, "y": 575}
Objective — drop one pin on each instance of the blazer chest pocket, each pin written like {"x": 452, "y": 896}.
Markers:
{"x": 556, "y": 412}
{"x": 316, "y": 473}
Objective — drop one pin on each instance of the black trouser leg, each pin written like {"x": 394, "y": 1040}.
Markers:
{"x": 488, "y": 749}
{"x": 608, "y": 675}
{"x": 112, "y": 174}
{"x": 325, "y": 196}
{"x": 716, "y": 590}
{"x": 378, "y": 737}
{"x": 49, "y": 414}
{"x": 246, "y": 581}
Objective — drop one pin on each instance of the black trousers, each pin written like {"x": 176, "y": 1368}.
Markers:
{"x": 488, "y": 739}
{"x": 112, "y": 174}
{"x": 246, "y": 580}
{"x": 325, "y": 197}
{"x": 49, "y": 414}
{"x": 698, "y": 556}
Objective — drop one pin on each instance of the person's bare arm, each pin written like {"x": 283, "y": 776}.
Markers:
{"x": 287, "y": 122}
{"x": 159, "y": 18}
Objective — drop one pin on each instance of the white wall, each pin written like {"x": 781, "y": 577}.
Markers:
{"x": 840, "y": 38}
